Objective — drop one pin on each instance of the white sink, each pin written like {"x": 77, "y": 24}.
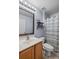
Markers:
{"x": 24, "y": 43}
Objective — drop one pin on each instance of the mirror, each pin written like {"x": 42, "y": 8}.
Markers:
{"x": 26, "y": 22}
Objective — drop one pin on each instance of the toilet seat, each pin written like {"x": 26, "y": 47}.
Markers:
{"x": 48, "y": 47}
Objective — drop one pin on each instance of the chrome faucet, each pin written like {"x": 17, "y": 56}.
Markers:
{"x": 27, "y": 37}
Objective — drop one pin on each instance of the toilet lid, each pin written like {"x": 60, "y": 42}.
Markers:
{"x": 48, "y": 46}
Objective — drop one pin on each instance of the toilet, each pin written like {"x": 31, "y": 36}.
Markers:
{"x": 48, "y": 49}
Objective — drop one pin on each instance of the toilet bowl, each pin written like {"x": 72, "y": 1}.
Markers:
{"x": 48, "y": 49}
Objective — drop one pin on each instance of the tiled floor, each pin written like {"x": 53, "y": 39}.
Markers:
{"x": 54, "y": 56}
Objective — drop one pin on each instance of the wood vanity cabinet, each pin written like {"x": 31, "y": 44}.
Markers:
{"x": 27, "y": 54}
{"x": 38, "y": 51}
{"x": 34, "y": 52}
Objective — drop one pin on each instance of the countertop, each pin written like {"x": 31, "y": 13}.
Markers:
{"x": 24, "y": 43}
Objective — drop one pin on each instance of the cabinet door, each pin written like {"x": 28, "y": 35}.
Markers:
{"x": 27, "y": 54}
{"x": 38, "y": 51}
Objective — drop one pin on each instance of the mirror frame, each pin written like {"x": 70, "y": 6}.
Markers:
{"x": 33, "y": 23}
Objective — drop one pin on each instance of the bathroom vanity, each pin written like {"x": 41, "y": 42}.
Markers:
{"x": 30, "y": 49}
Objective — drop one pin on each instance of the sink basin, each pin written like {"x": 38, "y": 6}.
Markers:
{"x": 25, "y": 41}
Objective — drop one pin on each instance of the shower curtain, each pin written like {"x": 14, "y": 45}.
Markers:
{"x": 52, "y": 31}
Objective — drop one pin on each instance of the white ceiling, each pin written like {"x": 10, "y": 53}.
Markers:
{"x": 52, "y": 6}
